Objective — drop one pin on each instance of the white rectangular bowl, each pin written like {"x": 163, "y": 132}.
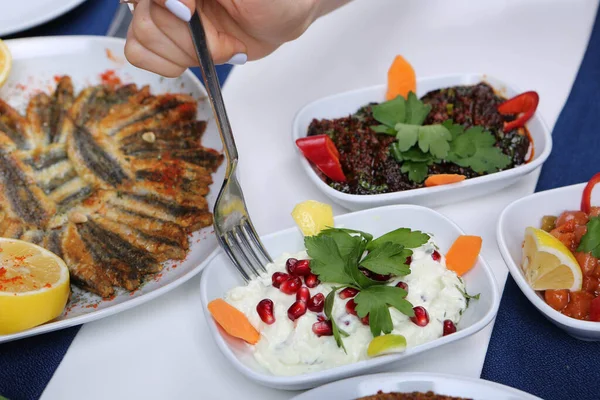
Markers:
{"x": 220, "y": 276}
{"x": 513, "y": 221}
{"x": 344, "y": 104}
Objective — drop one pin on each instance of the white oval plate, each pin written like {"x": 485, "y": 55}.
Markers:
{"x": 529, "y": 211}
{"x": 84, "y": 58}
{"x": 220, "y": 276}
{"x": 343, "y": 104}
{"x": 17, "y": 16}
{"x": 457, "y": 386}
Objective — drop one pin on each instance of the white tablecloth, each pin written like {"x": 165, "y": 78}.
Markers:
{"x": 162, "y": 350}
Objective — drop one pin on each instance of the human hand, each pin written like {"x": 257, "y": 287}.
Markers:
{"x": 158, "y": 39}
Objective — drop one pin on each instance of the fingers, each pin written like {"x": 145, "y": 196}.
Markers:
{"x": 158, "y": 40}
{"x": 182, "y": 9}
{"x": 143, "y": 58}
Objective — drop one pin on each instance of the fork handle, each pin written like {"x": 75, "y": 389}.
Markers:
{"x": 211, "y": 83}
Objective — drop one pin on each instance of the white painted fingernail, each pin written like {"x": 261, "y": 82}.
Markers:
{"x": 238, "y": 59}
{"x": 179, "y": 10}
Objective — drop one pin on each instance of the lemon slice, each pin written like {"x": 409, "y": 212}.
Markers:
{"x": 549, "y": 264}
{"x": 312, "y": 217}
{"x": 386, "y": 344}
{"x": 5, "y": 62}
{"x": 34, "y": 286}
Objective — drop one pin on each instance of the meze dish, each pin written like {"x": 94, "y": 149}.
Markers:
{"x": 348, "y": 297}
{"x": 561, "y": 259}
{"x": 112, "y": 179}
{"x": 446, "y": 136}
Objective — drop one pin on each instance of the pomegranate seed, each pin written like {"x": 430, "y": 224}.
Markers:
{"x": 303, "y": 294}
{"x": 421, "y": 317}
{"x": 449, "y": 327}
{"x": 374, "y": 276}
{"x": 316, "y": 303}
{"x": 278, "y": 278}
{"x": 351, "y": 307}
{"x": 296, "y": 310}
{"x": 289, "y": 264}
{"x": 347, "y": 293}
{"x": 265, "y": 311}
{"x": 408, "y": 260}
{"x": 365, "y": 320}
{"x": 321, "y": 318}
{"x": 299, "y": 268}
{"x": 403, "y": 285}
{"x": 322, "y": 328}
{"x": 436, "y": 256}
{"x": 311, "y": 280}
{"x": 291, "y": 286}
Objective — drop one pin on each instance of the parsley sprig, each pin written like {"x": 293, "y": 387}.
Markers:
{"x": 338, "y": 256}
{"x": 590, "y": 242}
{"x": 418, "y": 146}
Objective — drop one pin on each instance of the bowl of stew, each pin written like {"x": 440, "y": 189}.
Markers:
{"x": 558, "y": 212}
{"x": 376, "y": 178}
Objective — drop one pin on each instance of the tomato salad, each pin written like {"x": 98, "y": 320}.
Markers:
{"x": 579, "y": 231}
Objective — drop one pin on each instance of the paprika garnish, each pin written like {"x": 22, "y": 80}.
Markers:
{"x": 586, "y": 198}
{"x": 321, "y": 151}
{"x": 524, "y": 105}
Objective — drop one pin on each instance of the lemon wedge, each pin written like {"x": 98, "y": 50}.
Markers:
{"x": 5, "y": 62}
{"x": 386, "y": 344}
{"x": 312, "y": 217}
{"x": 549, "y": 264}
{"x": 34, "y": 286}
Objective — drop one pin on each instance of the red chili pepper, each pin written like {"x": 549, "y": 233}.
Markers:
{"x": 586, "y": 199}
{"x": 321, "y": 151}
{"x": 524, "y": 104}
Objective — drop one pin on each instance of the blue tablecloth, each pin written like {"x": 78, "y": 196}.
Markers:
{"x": 27, "y": 365}
{"x": 526, "y": 350}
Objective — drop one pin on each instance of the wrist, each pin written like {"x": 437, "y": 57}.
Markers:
{"x": 324, "y": 7}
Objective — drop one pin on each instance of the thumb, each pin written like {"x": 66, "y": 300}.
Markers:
{"x": 182, "y": 9}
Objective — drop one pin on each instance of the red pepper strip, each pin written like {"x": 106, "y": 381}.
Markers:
{"x": 321, "y": 151}
{"x": 524, "y": 104}
{"x": 586, "y": 199}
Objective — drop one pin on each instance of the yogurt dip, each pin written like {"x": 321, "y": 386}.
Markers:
{"x": 291, "y": 347}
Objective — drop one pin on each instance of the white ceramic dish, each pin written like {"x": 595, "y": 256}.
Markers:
{"x": 17, "y": 16}
{"x": 220, "y": 276}
{"x": 458, "y": 386}
{"x": 344, "y": 104}
{"x": 36, "y": 62}
{"x": 529, "y": 211}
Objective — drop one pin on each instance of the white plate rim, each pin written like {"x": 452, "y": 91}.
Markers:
{"x": 67, "y": 6}
{"x": 515, "y": 269}
{"x": 133, "y": 302}
{"x": 413, "y": 376}
{"x": 365, "y": 200}
{"x": 300, "y": 380}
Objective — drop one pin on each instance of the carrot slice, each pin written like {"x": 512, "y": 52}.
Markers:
{"x": 443, "y": 179}
{"x": 233, "y": 321}
{"x": 463, "y": 254}
{"x": 401, "y": 79}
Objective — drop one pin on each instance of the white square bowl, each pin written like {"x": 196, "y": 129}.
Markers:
{"x": 344, "y": 104}
{"x": 513, "y": 221}
{"x": 220, "y": 276}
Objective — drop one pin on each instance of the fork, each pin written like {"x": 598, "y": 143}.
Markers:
{"x": 232, "y": 224}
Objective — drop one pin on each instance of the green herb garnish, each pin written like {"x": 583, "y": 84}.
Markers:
{"x": 590, "y": 242}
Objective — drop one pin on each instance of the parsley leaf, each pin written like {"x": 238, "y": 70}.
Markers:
{"x": 590, "y": 242}
{"x": 388, "y": 258}
{"x": 475, "y": 148}
{"x": 415, "y": 154}
{"x": 390, "y": 112}
{"x": 454, "y": 129}
{"x": 337, "y": 332}
{"x": 327, "y": 262}
{"x": 402, "y": 236}
{"x": 407, "y": 136}
{"x": 416, "y": 110}
{"x": 417, "y": 171}
{"x": 434, "y": 139}
{"x": 374, "y": 301}
{"x": 384, "y": 129}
